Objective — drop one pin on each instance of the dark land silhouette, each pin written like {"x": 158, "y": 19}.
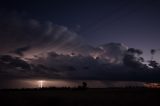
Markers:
{"x": 81, "y": 97}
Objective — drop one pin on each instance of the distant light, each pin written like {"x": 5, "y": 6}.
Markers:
{"x": 41, "y": 83}
{"x": 152, "y": 85}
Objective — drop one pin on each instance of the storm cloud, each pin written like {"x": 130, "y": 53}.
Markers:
{"x": 27, "y": 37}
{"x": 33, "y": 49}
{"x": 19, "y": 51}
{"x": 21, "y": 35}
{"x": 56, "y": 66}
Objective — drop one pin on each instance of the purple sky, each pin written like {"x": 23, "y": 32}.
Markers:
{"x": 78, "y": 40}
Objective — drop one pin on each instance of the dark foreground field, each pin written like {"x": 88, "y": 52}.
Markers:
{"x": 89, "y": 97}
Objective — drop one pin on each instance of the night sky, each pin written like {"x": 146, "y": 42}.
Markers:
{"x": 79, "y": 40}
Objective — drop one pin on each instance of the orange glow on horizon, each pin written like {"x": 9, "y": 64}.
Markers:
{"x": 152, "y": 85}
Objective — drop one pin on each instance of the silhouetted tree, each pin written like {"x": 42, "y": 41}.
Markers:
{"x": 84, "y": 85}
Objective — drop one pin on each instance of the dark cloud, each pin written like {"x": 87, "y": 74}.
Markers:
{"x": 135, "y": 51}
{"x": 16, "y": 68}
{"x": 14, "y": 62}
{"x": 17, "y": 32}
{"x": 46, "y": 50}
{"x": 131, "y": 61}
{"x": 29, "y": 37}
{"x": 132, "y": 58}
{"x": 56, "y": 66}
{"x": 19, "y": 51}
{"x": 113, "y": 52}
{"x": 154, "y": 64}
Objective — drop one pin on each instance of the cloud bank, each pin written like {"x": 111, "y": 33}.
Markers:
{"x": 33, "y": 49}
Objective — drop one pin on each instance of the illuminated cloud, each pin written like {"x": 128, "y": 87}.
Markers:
{"x": 113, "y": 52}
{"x": 55, "y": 66}
{"x": 24, "y": 36}
{"x": 33, "y": 49}
{"x": 29, "y": 38}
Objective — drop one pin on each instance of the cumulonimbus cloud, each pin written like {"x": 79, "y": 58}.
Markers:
{"x": 32, "y": 49}
{"x": 29, "y": 37}
{"x": 18, "y": 32}
{"x": 56, "y": 66}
